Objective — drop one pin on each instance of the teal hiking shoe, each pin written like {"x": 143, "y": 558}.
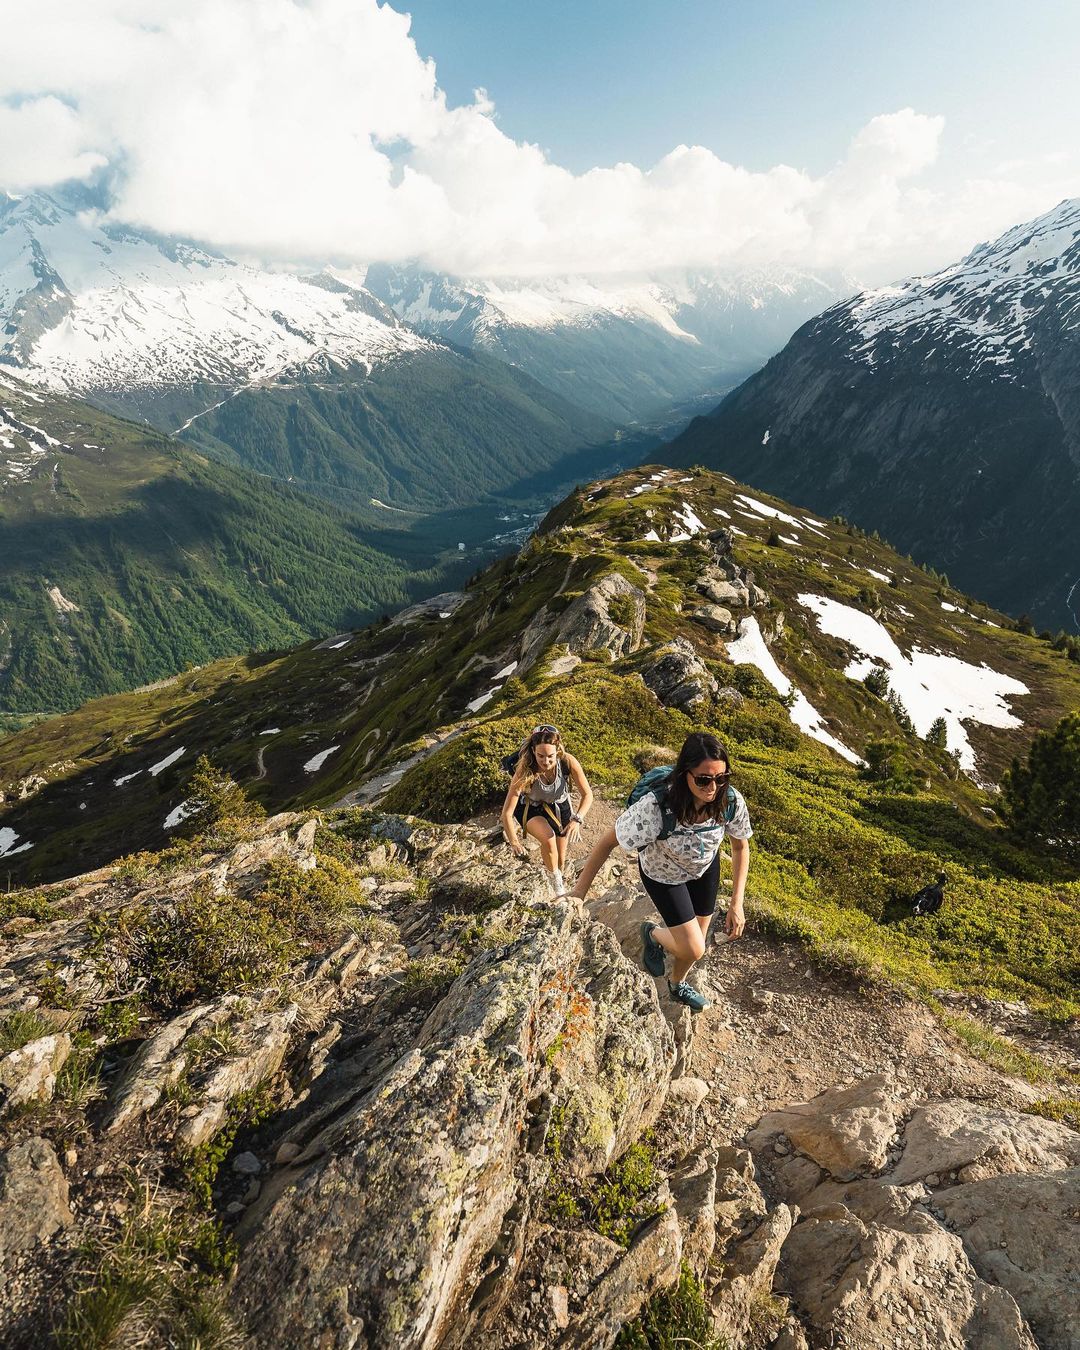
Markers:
{"x": 652, "y": 954}
{"x": 686, "y": 993}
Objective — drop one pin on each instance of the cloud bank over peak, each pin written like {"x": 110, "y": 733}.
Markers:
{"x": 313, "y": 132}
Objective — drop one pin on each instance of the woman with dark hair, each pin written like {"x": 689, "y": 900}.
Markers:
{"x": 676, "y": 828}
{"x": 538, "y": 800}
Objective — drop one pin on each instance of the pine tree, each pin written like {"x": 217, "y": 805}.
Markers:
{"x": 938, "y": 735}
{"x": 1042, "y": 797}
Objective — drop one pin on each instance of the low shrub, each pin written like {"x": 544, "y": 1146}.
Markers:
{"x": 673, "y": 1320}
{"x": 169, "y": 953}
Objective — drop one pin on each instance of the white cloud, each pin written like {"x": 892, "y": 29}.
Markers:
{"x": 308, "y": 132}
{"x": 43, "y": 141}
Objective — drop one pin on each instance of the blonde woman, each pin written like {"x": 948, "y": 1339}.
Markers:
{"x": 538, "y": 801}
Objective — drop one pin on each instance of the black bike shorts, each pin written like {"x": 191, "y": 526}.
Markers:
{"x": 688, "y": 899}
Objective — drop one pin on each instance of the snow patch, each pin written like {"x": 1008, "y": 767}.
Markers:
{"x": 763, "y": 509}
{"x": 179, "y": 813}
{"x": 7, "y": 843}
{"x": 690, "y": 523}
{"x": 316, "y": 762}
{"x": 928, "y": 684}
{"x": 163, "y": 764}
{"x": 749, "y": 648}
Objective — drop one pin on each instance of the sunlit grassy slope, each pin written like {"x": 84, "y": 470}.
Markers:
{"x": 834, "y": 854}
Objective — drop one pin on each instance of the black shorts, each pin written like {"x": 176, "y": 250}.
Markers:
{"x": 557, "y": 814}
{"x": 688, "y": 899}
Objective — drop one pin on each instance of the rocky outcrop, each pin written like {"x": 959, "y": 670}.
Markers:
{"x": 29, "y": 1073}
{"x": 609, "y": 616}
{"x": 879, "y": 1259}
{"x": 906, "y": 1281}
{"x": 968, "y": 1142}
{"x": 1020, "y": 1232}
{"x": 430, "y": 1200}
{"x": 678, "y": 677}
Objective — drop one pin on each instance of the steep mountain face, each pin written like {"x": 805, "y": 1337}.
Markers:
{"x": 128, "y": 556}
{"x": 944, "y": 411}
{"x": 627, "y": 349}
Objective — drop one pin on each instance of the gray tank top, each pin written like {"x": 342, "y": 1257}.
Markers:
{"x": 558, "y": 791}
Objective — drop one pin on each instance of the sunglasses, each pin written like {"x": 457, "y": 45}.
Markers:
{"x": 539, "y": 731}
{"x": 704, "y": 779}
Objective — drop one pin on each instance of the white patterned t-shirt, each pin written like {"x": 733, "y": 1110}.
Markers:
{"x": 688, "y": 852}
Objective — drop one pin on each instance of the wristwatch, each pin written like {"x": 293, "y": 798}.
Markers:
{"x": 576, "y": 815}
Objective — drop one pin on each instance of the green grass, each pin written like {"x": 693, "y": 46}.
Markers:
{"x": 678, "y": 1319}
{"x": 1004, "y": 1055}
{"x": 834, "y": 857}
{"x": 151, "y": 1279}
{"x": 20, "y": 1028}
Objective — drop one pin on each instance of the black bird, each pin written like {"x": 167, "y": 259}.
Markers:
{"x": 930, "y": 899}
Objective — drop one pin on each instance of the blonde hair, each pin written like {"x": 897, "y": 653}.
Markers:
{"x": 528, "y": 770}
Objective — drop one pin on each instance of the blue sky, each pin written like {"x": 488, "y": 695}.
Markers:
{"x": 876, "y": 140}
{"x": 774, "y": 81}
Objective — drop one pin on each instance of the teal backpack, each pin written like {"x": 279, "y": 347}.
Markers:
{"x": 655, "y": 783}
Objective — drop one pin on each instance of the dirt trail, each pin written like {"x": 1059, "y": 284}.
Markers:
{"x": 780, "y": 1030}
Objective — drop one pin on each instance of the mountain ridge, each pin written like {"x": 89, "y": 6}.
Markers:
{"x": 834, "y": 604}
{"x": 626, "y": 347}
{"x": 944, "y": 412}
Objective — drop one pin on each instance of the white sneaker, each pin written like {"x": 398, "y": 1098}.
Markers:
{"x": 558, "y": 885}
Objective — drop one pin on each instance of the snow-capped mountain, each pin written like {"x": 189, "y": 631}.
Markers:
{"x": 307, "y": 379}
{"x": 137, "y": 322}
{"x": 625, "y": 347}
{"x": 1000, "y": 306}
{"x": 943, "y": 411}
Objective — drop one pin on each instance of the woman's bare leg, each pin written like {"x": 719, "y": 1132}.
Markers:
{"x": 544, "y": 835}
{"x": 685, "y": 943}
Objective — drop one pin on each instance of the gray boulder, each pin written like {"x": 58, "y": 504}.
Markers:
{"x": 29, "y": 1073}
{"x": 715, "y": 618}
{"x": 723, "y": 591}
{"x": 844, "y": 1130}
{"x": 678, "y": 677}
{"x": 33, "y": 1197}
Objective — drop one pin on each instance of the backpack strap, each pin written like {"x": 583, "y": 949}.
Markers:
{"x": 668, "y": 822}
